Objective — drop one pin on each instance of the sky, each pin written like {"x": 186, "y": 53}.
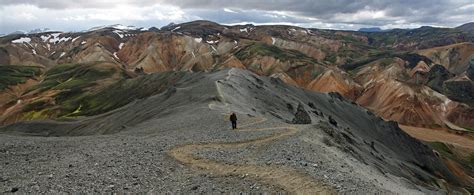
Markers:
{"x": 78, "y": 15}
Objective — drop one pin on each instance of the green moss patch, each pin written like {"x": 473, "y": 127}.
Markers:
{"x": 262, "y": 49}
{"x": 73, "y": 82}
{"x": 447, "y": 152}
{"x": 16, "y": 74}
{"x": 122, "y": 93}
{"x": 73, "y": 76}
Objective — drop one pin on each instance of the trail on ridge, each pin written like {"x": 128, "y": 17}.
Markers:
{"x": 289, "y": 179}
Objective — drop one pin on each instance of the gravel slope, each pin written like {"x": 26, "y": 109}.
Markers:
{"x": 128, "y": 149}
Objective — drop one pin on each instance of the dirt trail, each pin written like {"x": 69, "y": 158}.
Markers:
{"x": 289, "y": 179}
{"x": 430, "y": 135}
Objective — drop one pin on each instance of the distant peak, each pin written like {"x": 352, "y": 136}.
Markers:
{"x": 470, "y": 24}
{"x": 115, "y": 26}
{"x": 39, "y": 30}
{"x": 468, "y": 27}
{"x": 371, "y": 29}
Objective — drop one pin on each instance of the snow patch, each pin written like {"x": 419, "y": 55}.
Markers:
{"x": 115, "y": 55}
{"x": 22, "y": 40}
{"x": 119, "y": 33}
{"x": 213, "y": 42}
{"x": 198, "y": 40}
{"x": 55, "y": 38}
{"x": 178, "y": 27}
{"x": 121, "y": 45}
{"x": 62, "y": 54}
{"x": 83, "y": 42}
{"x": 291, "y": 31}
{"x": 115, "y": 26}
{"x": 273, "y": 41}
{"x": 194, "y": 56}
{"x": 45, "y": 38}
{"x": 244, "y": 30}
{"x": 75, "y": 39}
{"x": 123, "y": 27}
{"x": 34, "y": 51}
{"x": 64, "y": 39}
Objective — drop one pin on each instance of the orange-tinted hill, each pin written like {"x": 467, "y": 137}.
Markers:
{"x": 388, "y": 78}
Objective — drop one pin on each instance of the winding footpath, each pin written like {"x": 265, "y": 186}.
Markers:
{"x": 289, "y": 179}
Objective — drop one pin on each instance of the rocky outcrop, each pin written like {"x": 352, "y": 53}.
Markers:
{"x": 456, "y": 58}
{"x": 460, "y": 89}
{"x": 470, "y": 70}
{"x": 301, "y": 116}
{"x": 437, "y": 76}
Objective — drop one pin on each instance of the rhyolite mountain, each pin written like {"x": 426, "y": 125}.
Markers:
{"x": 417, "y": 77}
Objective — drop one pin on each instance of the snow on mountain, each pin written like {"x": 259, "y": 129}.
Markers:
{"x": 118, "y": 27}
{"x": 39, "y": 30}
{"x": 22, "y": 40}
{"x": 75, "y": 39}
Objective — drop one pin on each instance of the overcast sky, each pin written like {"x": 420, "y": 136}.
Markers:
{"x": 77, "y": 15}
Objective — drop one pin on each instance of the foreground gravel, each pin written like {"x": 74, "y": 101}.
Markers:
{"x": 133, "y": 161}
{"x": 137, "y": 161}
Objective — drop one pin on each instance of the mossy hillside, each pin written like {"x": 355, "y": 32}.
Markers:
{"x": 469, "y": 128}
{"x": 462, "y": 91}
{"x": 16, "y": 74}
{"x": 73, "y": 76}
{"x": 122, "y": 93}
{"x": 425, "y": 37}
{"x": 305, "y": 72}
{"x": 446, "y": 151}
{"x": 262, "y": 49}
{"x": 73, "y": 81}
{"x": 412, "y": 58}
{"x": 300, "y": 63}
{"x": 36, "y": 115}
{"x": 437, "y": 75}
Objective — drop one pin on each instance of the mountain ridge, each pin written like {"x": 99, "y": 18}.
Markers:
{"x": 297, "y": 55}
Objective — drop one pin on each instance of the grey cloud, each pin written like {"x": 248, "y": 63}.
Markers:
{"x": 254, "y": 16}
{"x": 420, "y": 11}
{"x": 69, "y": 4}
{"x": 338, "y": 13}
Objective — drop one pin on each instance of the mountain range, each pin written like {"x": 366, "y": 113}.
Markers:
{"x": 386, "y": 72}
{"x": 113, "y": 78}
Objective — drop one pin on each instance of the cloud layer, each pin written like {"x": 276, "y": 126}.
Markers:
{"x": 336, "y": 14}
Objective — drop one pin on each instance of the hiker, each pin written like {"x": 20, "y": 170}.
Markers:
{"x": 233, "y": 119}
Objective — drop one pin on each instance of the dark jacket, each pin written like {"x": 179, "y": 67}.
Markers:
{"x": 233, "y": 117}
